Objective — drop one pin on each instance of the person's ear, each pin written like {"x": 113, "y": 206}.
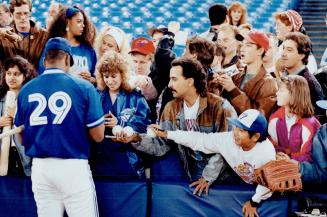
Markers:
{"x": 262, "y": 50}
{"x": 302, "y": 56}
{"x": 67, "y": 60}
{"x": 255, "y": 137}
{"x": 190, "y": 82}
{"x": 44, "y": 63}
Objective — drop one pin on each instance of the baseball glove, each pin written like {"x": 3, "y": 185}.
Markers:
{"x": 279, "y": 175}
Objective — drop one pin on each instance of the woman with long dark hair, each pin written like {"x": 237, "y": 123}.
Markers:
{"x": 73, "y": 24}
{"x": 17, "y": 72}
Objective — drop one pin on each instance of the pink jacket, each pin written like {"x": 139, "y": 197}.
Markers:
{"x": 298, "y": 143}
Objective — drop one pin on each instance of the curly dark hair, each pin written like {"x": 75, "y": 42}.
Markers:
{"x": 193, "y": 69}
{"x": 24, "y": 67}
{"x": 58, "y": 26}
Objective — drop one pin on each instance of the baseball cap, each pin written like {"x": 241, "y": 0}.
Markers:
{"x": 161, "y": 28}
{"x": 59, "y": 43}
{"x": 251, "y": 120}
{"x": 143, "y": 46}
{"x": 295, "y": 19}
{"x": 259, "y": 38}
{"x": 322, "y": 104}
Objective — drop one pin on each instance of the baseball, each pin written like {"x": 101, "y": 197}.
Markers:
{"x": 128, "y": 131}
{"x": 150, "y": 133}
{"x": 116, "y": 130}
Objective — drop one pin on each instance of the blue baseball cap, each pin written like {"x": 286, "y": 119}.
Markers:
{"x": 251, "y": 120}
{"x": 322, "y": 104}
{"x": 59, "y": 43}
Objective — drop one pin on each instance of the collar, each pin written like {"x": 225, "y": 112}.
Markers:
{"x": 32, "y": 27}
{"x": 202, "y": 106}
{"x": 257, "y": 78}
{"x": 298, "y": 71}
{"x": 53, "y": 71}
{"x": 232, "y": 62}
{"x": 281, "y": 114}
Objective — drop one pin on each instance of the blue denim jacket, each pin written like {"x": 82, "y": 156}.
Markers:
{"x": 316, "y": 171}
{"x": 131, "y": 109}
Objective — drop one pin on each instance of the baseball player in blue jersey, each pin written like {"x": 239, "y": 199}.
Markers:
{"x": 60, "y": 114}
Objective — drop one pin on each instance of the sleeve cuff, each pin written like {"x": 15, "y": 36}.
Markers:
{"x": 234, "y": 93}
{"x": 95, "y": 123}
{"x": 254, "y": 204}
{"x": 255, "y": 199}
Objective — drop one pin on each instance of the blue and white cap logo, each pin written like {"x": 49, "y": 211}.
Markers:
{"x": 248, "y": 117}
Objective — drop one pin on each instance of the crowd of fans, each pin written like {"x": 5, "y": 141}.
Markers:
{"x": 228, "y": 71}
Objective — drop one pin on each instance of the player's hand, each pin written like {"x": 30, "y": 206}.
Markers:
{"x": 201, "y": 185}
{"x": 249, "y": 211}
{"x": 110, "y": 120}
{"x": 6, "y": 121}
{"x": 226, "y": 81}
{"x": 159, "y": 132}
{"x": 282, "y": 156}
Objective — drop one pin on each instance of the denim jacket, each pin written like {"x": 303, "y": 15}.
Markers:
{"x": 131, "y": 109}
{"x": 316, "y": 171}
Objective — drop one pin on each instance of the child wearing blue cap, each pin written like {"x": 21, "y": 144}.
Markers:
{"x": 245, "y": 149}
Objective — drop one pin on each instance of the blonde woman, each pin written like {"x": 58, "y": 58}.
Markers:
{"x": 112, "y": 38}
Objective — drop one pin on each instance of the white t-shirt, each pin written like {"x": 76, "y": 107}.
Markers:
{"x": 191, "y": 112}
{"x": 242, "y": 162}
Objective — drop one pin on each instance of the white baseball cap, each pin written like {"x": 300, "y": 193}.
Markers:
{"x": 251, "y": 120}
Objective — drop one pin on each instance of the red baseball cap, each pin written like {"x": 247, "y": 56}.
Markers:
{"x": 143, "y": 45}
{"x": 259, "y": 38}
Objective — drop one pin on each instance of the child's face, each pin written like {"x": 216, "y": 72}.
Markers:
{"x": 283, "y": 95}
{"x": 242, "y": 138}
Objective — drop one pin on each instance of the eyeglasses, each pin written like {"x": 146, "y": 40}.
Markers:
{"x": 21, "y": 14}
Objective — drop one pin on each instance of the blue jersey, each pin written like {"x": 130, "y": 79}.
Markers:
{"x": 57, "y": 109}
{"x": 84, "y": 59}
